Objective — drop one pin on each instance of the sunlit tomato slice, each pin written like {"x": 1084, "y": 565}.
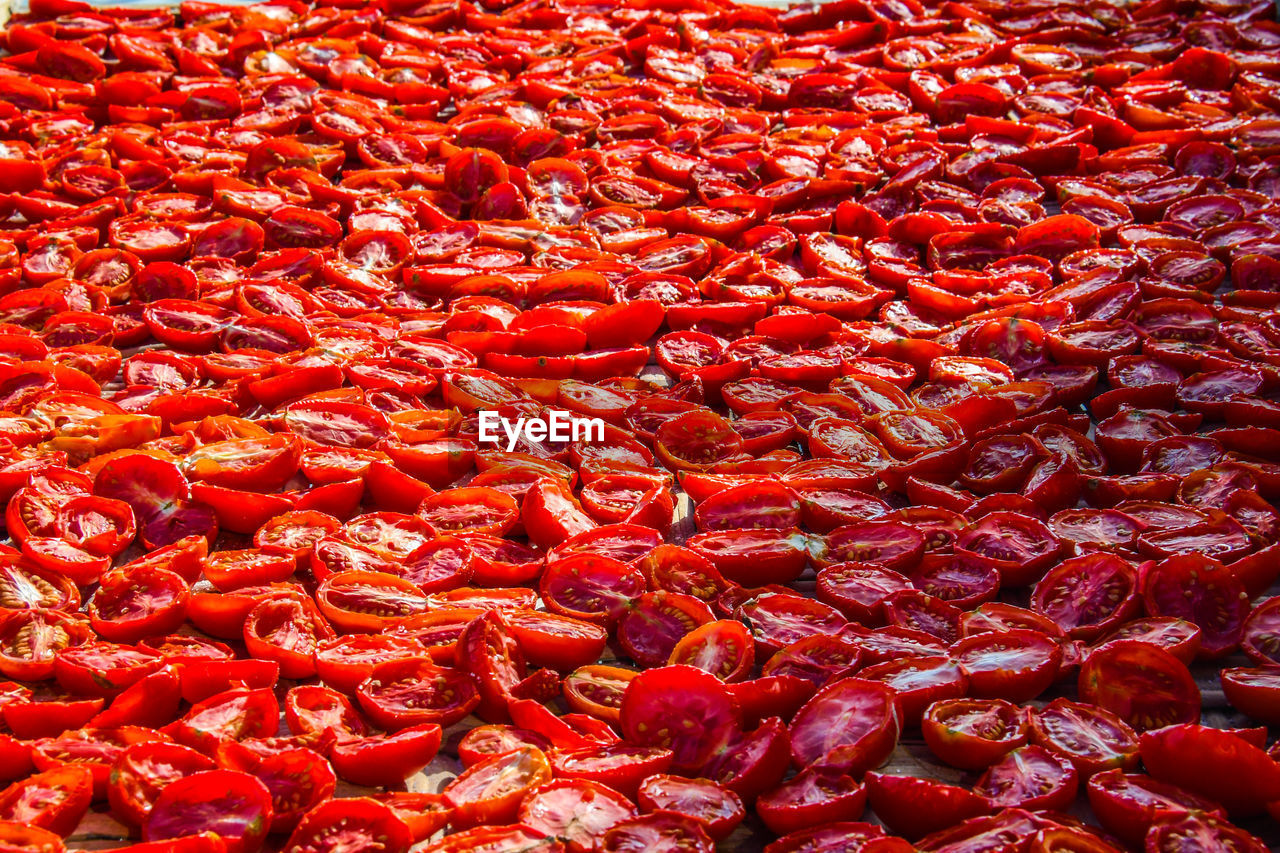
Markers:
{"x": 1195, "y": 830}
{"x": 143, "y": 770}
{"x": 235, "y": 805}
{"x": 1202, "y": 591}
{"x": 851, "y": 725}
{"x": 103, "y": 669}
{"x": 144, "y": 602}
{"x": 31, "y": 639}
{"x": 1089, "y": 595}
{"x": 1143, "y": 684}
{"x": 779, "y": 619}
{"x": 55, "y": 799}
{"x": 1021, "y": 547}
{"x": 651, "y": 627}
{"x": 914, "y": 807}
{"x": 597, "y": 689}
{"x": 1212, "y": 762}
{"x": 1128, "y": 803}
{"x": 356, "y": 821}
{"x": 1017, "y": 665}
{"x": 297, "y": 777}
{"x": 620, "y": 766}
{"x": 286, "y": 629}
{"x": 412, "y": 691}
{"x": 367, "y": 601}
{"x": 499, "y": 739}
{"x": 386, "y": 760}
{"x": 754, "y": 557}
{"x": 1091, "y": 738}
{"x": 580, "y": 812}
{"x": 682, "y": 709}
{"x": 232, "y": 715}
{"x": 1029, "y": 777}
{"x": 657, "y": 830}
{"x": 559, "y": 642}
{"x": 749, "y": 506}
{"x": 255, "y": 464}
{"x": 974, "y": 733}
{"x": 891, "y": 544}
{"x": 1176, "y": 636}
{"x": 593, "y": 588}
{"x": 474, "y": 509}
{"x": 490, "y": 839}
{"x": 920, "y": 681}
{"x": 816, "y": 796}
{"x": 29, "y": 839}
{"x": 723, "y": 648}
{"x": 717, "y": 808}
{"x": 314, "y": 709}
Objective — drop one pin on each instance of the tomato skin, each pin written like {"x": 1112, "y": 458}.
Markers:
{"x": 914, "y": 807}
{"x": 973, "y": 733}
{"x": 51, "y": 717}
{"x": 1251, "y": 691}
{"x": 1090, "y": 738}
{"x": 982, "y": 657}
{"x": 659, "y": 695}
{"x": 494, "y": 661}
{"x": 232, "y": 715}
{"x": 550, "y": 517}
{"x": 854, "y": 751}
{"x": 386, "y": 760}
{"x": 1143, "y": 684}
{"x": 1219, "y": 765}
{"x": 54, "y": 799}
{"x": 814, "y": 797}
{"x": 454, "y": 692}
{"x": 1201, "y": 829}
{"x": 244, "y": 831}
{"x": 1029, "y": 777}
{"x": 17, "y": 758}
{"x": 205, "y": 842}
{"x": 592, "y": 810}
{"x": 18, "y": 837}
{"x": 1128, "y": 804}
{"x": 491, "y": 790}
{"x": 140, "y": 772}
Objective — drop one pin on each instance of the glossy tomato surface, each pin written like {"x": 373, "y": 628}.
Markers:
{"x": 590, "y": 426}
